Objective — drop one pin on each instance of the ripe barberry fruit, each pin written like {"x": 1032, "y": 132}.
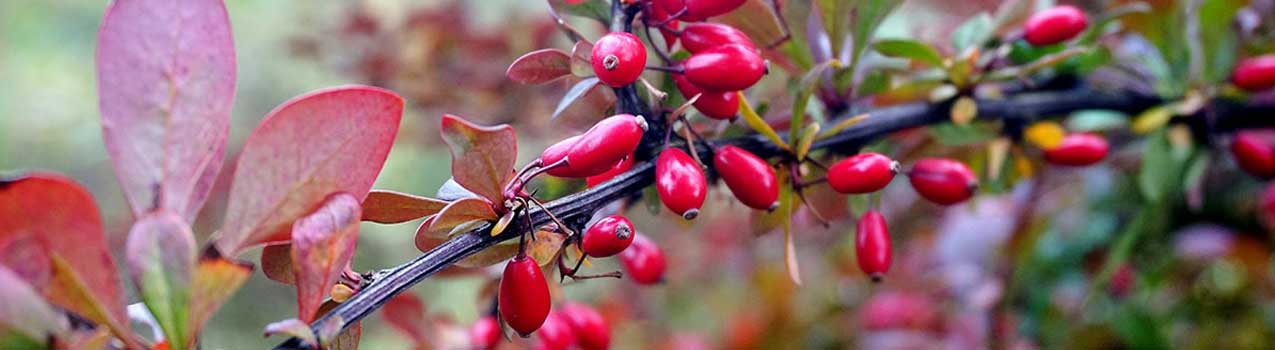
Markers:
{"x": 557, "y": 152}
{"x": 680, "y": 182}
{"x": 698, "y": 37}
{"x": 606, "y": 143}
{"x": 609, "y": 236}
{"x": 699, "y": 10}
{"x": 643, "y": 261}
{"x": 485, "y": 334}
{"x": 619, "y": 168}
{"x": 729, "y": 67}
{"x": 1078, "y": 150}
{"x": 556, "y": 333}
{"x": 1253, "y": 155}
{"x": 1255, "y": 73}
{"x": 524, "y": 295}
{"x": 591, "y": 330}
{"x": 1054, "y": 25}
{"x": 872, "y": 245}
{"x": 713, "y": 104}
{"x": 943, "y": 181}
{"x": 862, "y": 173}
{"x": 749, "y": 177}
{"x": 618, "y": 58}
{"x": 654, "y": 15}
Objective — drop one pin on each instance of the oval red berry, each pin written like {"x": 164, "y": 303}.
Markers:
{"x": 485, "y": 334}
{"x": 713, "y": 104}
{"x": 609, "y": 236}
{"x": 1054, "y": 25}
{"x": 943, "y": 181}
{"x": 698, "y": 37}
{"x": 728, "y": 67}
{"x": 680, "y": 182}
{"x": 1255, "y": 73}
{"x": 619, "y": 168}
{"x": 618, "y": 58}
{"x": 699, "y": 10}
{"x": 557, "y": 152}
{"x": 1253, "y": 154}
{"x": 591, "y": 330}
{"x": 606, "y": 143}
{"x": 1078, "y": 150}
{"x": 643, "y": 261}
{"x": 524, "y": 295}
{"x": 749, "y": 177}
{"x": 872, "y": 245}
{"x": 862, "y": 173}
{"x": 556, "y": 333}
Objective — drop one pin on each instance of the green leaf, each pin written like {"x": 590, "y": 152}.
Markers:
{"x": 875, "y": 82}
{"x": 806, "y": 139}
{"x": 161, "y": 262}
{"x": 1160, "y": 174}
{"x": 759, "y": 125}
{"x": 599, "y": 10}
{"x": 973, "y": 33}
{"x": 1090, "y": 120}
{"x": 959, "y": 135}
{"x": 805, "y": 89}
{"x": 867, "y": 16}
{"x": 482, "y": 156}
{"x": 1217, "y": 38}
{"x": 909, "y": 49}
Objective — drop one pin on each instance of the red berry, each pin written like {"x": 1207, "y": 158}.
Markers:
{"x": 609, "y": 236}
{"x": 557, "y": 152}
{"x": 713, "y": 104}
{"x": 699, "y": 10}
{"x": 862, "y": 173}
{"x": 872, "y": 245}
{"x": 556, "y": 333}
{"x": 1254, "y": 155}
{"x": 643, "y": 261}
{"x": 680, "y": 182}
{"x": 618, "y": 58}
{"x": 698, "y": 37}
{"x": 655, "y": 15}
{"x": 728, "y": 67}
{"x": 1054, "y": 25}
{"x": 591, "y": 330}
{"x": 1078, "y": 150}
{"x": 898, "y": 310}
{"x": 1255, "y": 73}
{"x": 749, "y": 177}
{"x": 943, "y": 181}
{"x": 485, "y": 333}
{"x": 606, "y": 143}
{"x": 619, "y": 168}
{"x": 524, "y": 295}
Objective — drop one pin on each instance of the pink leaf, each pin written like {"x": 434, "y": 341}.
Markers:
{"x": 482, "y": 156}
{"x": 406, "y": 313}
{"x": 53, "y": 219}
{"x": 327, "y": 141}
{"x": 24, "y": 316}
{"x": 540, "y": 66}
{"x": 166, "y": 82}
{"x": 322, "y": 246}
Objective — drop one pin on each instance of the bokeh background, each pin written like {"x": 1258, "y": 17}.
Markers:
{"x": 1202, "y": 280}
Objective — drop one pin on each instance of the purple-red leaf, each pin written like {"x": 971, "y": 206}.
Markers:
{"x": 457, "y": 213}
{"x": 585, "y": 103}
{"x": 216, "y": 280}
{"x": 25, "y": 318}
{"x": 406, "y": 313}
{"x": 324, "y": 142}
{"x": 322, "y": 246}
{"x": 166, "y": 82}
{"x": 161, "y": 263}
{"x": 389, "y": 207}
{"x": 540, "y": 66}
{"x": 482, "y": 156}
{"x": 276, "y": 263}
{"x": 51, "y": 235}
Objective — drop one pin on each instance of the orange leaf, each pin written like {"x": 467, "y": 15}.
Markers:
{"x": 460, "y": 212}
{"x": 389, "y": 207}
{"x": 216, "y": 280}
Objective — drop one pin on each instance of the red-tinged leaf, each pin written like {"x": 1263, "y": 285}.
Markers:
{"x": 581, "y": 52}
{"x": 161, "y": 262}
{"x": 52, "y": 218}
{"x": 406, "y": 313}
{"x": 482, "y": 156}
{"x": 389, "y": 207}
{"x": 81, "y": 297}
{"x": 323, "y": 142}
{"x": 216, "y": 280}
{"x": 757, "y": 19}
{"x": 166, "y": 82}
{"x": 585, "y": 103}
{"x": 297, "y": 329}
{"x": 276, "y": 263}
{"x": 540, "y": 66}
{"x": 26, "y": 320}
{"x": 460, "y": 212}
{"x": 322, "y": 245}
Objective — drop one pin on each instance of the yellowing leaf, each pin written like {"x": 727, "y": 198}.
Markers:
{"x": 545, "y": 247}
{"x": 841, "y": 126}
{"x": 997, "y": 150}
{"x": 1045, "y": 134}
{"x": 216, "y": 280}
{"x": 964, "y": 110}
{"x": 759, "y": 125}
{"x": 806, "y": 138}
{"x": 1151, "y": 119}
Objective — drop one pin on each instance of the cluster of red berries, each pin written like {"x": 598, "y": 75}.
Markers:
{"x": 723, "y": 61}
{"x": 572, "y": 325}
